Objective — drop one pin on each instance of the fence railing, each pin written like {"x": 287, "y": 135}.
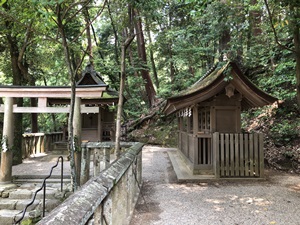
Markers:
{"x": 35, "y": 143}
{"x": 238, "y": 155}
{"x": 108, "y": 198}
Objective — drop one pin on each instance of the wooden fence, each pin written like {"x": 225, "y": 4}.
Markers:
{"x": 234, "y": 155}
{"x": 238, "y": 155}
{"x": 35, "y": 143}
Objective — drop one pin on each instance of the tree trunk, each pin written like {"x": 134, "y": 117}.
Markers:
{"x": 17, "y": 80}
{"x": 223, "y": 41}
{"x": 151, "y": 93}
{"x": 297, "y": 56}
{"x": 89, "y": 38}
{"x": 72, "y": 141}
{"x": 152, "y": 57}
{"x": 255, "y": 19}
{"x": 121, "y": 98}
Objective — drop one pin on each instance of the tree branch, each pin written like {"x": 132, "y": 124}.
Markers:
{"x": 91, "y": 21}
{"x": 274, "y": 30}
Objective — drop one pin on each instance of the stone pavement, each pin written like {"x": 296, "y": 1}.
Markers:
{"x": 165, "y": 201}
{"x": 28, "y": 178}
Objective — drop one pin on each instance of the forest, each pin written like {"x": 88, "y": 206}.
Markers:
{"x": 151, "y": 50}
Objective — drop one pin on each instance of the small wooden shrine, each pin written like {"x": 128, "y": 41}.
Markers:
{"x": 209, "y": 124}
{"x": 98, "y": 120}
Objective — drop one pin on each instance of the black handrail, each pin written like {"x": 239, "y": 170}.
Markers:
{"x": 44, "y": 194}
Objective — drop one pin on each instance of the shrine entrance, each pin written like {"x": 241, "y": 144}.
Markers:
{"x": 93, "y": 104}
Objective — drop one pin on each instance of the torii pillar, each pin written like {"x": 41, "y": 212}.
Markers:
{"x": 77, "y": 134}
{"x": 7, "y": 142}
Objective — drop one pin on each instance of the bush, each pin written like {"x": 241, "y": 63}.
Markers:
{"x": 284, "y": 132}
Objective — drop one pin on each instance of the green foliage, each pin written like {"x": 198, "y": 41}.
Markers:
{"x": 185, "y": 35}
{"x": 285, "y": 132}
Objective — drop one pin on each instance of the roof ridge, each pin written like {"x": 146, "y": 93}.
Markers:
{"x": 206, "y": 74}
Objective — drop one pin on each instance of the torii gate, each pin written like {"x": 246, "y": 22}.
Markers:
{"x": 52, "y": 99}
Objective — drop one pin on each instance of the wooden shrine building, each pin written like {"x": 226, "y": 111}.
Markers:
{"x": 209, "y": 124}
{"x": 92, "y": 100}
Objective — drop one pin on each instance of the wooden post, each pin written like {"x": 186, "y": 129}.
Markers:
{"x": 100, "y": 125}
{"x": 216, "y": 153}
{"x": 7, "y": 142}
{"x": 261, "y": 155}
{"x": 77, "y": 135}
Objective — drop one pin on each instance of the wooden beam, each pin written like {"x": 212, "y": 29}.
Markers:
{"x": 51, "y": 92}
{"x": 66, "y": 109}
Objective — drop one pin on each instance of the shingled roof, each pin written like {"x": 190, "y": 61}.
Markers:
{"x": 91, "y": 77}
{"x": 213, "y": 84}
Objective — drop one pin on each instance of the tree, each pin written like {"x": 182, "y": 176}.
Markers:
{"x": 18, "y": 38}
{"x": 292, "y": 18}
{"x": 151, "y": 93}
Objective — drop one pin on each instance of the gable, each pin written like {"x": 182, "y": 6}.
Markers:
{"x": 215, "y": 84}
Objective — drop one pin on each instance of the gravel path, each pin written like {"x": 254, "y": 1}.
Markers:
{"x": 165, "y": 202}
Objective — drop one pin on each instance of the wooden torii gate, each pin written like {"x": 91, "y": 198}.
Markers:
{"x": 52, "y": 99}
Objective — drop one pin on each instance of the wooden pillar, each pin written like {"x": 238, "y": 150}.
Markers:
{"x": 7, "y": 142}
{"x": 216, "y": 157}
{"x": 100, "y": 133}
{"x": 77, "y": 135}
{"x": 195, "y": 120}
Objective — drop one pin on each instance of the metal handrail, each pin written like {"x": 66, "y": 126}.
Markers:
{"x": 44, "y": 193}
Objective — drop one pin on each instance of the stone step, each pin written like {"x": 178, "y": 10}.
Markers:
{"x": 7, "y": 216}
{"x": 17, "y": 199}
{"x": 40, "y": 181}
{"x": 17, "y": 204}
{"x": 60, "y": 152}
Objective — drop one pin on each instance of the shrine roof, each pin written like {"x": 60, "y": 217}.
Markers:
{"x": 214, "y": 83}
{"x": 91, "y": 77}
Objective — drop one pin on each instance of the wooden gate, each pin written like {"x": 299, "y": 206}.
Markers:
{"x": 238, "y": 155}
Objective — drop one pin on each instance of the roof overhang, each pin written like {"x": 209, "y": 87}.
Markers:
{"x": 214, "y": 84}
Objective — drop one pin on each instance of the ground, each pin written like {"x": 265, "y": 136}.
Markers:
{"x": 164, "y": 201}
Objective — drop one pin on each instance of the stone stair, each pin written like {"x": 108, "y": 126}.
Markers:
{"x": 60, "y": 148}
{"x": 15, "y": 198}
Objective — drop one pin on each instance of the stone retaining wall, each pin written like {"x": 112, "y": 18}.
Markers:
{"x": 109, "y": 198}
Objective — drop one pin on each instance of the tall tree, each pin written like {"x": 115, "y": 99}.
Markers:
{"x": 292, "y": 17}
{"x": 18, "y": 38}
{"x": 151, "y": 93}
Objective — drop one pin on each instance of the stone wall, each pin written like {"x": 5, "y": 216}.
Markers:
{"x": 109, "y": 198}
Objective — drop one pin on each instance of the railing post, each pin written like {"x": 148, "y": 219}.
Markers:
{"x": 38, "y": 144}
{"x": 101, "y": 159}
{"x": 106, "y": 158}
{"x": 261, "y": 155}
{"x": 97, "y": 161}
{"x": 85, "y": 164}
{"x": 216, "y": 144}
{"x": 43, "y": 143}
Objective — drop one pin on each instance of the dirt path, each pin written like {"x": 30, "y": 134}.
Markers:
{"x": 166, "y": 202}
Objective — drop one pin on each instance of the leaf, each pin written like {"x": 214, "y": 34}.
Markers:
{"x": 2, "y": 2}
